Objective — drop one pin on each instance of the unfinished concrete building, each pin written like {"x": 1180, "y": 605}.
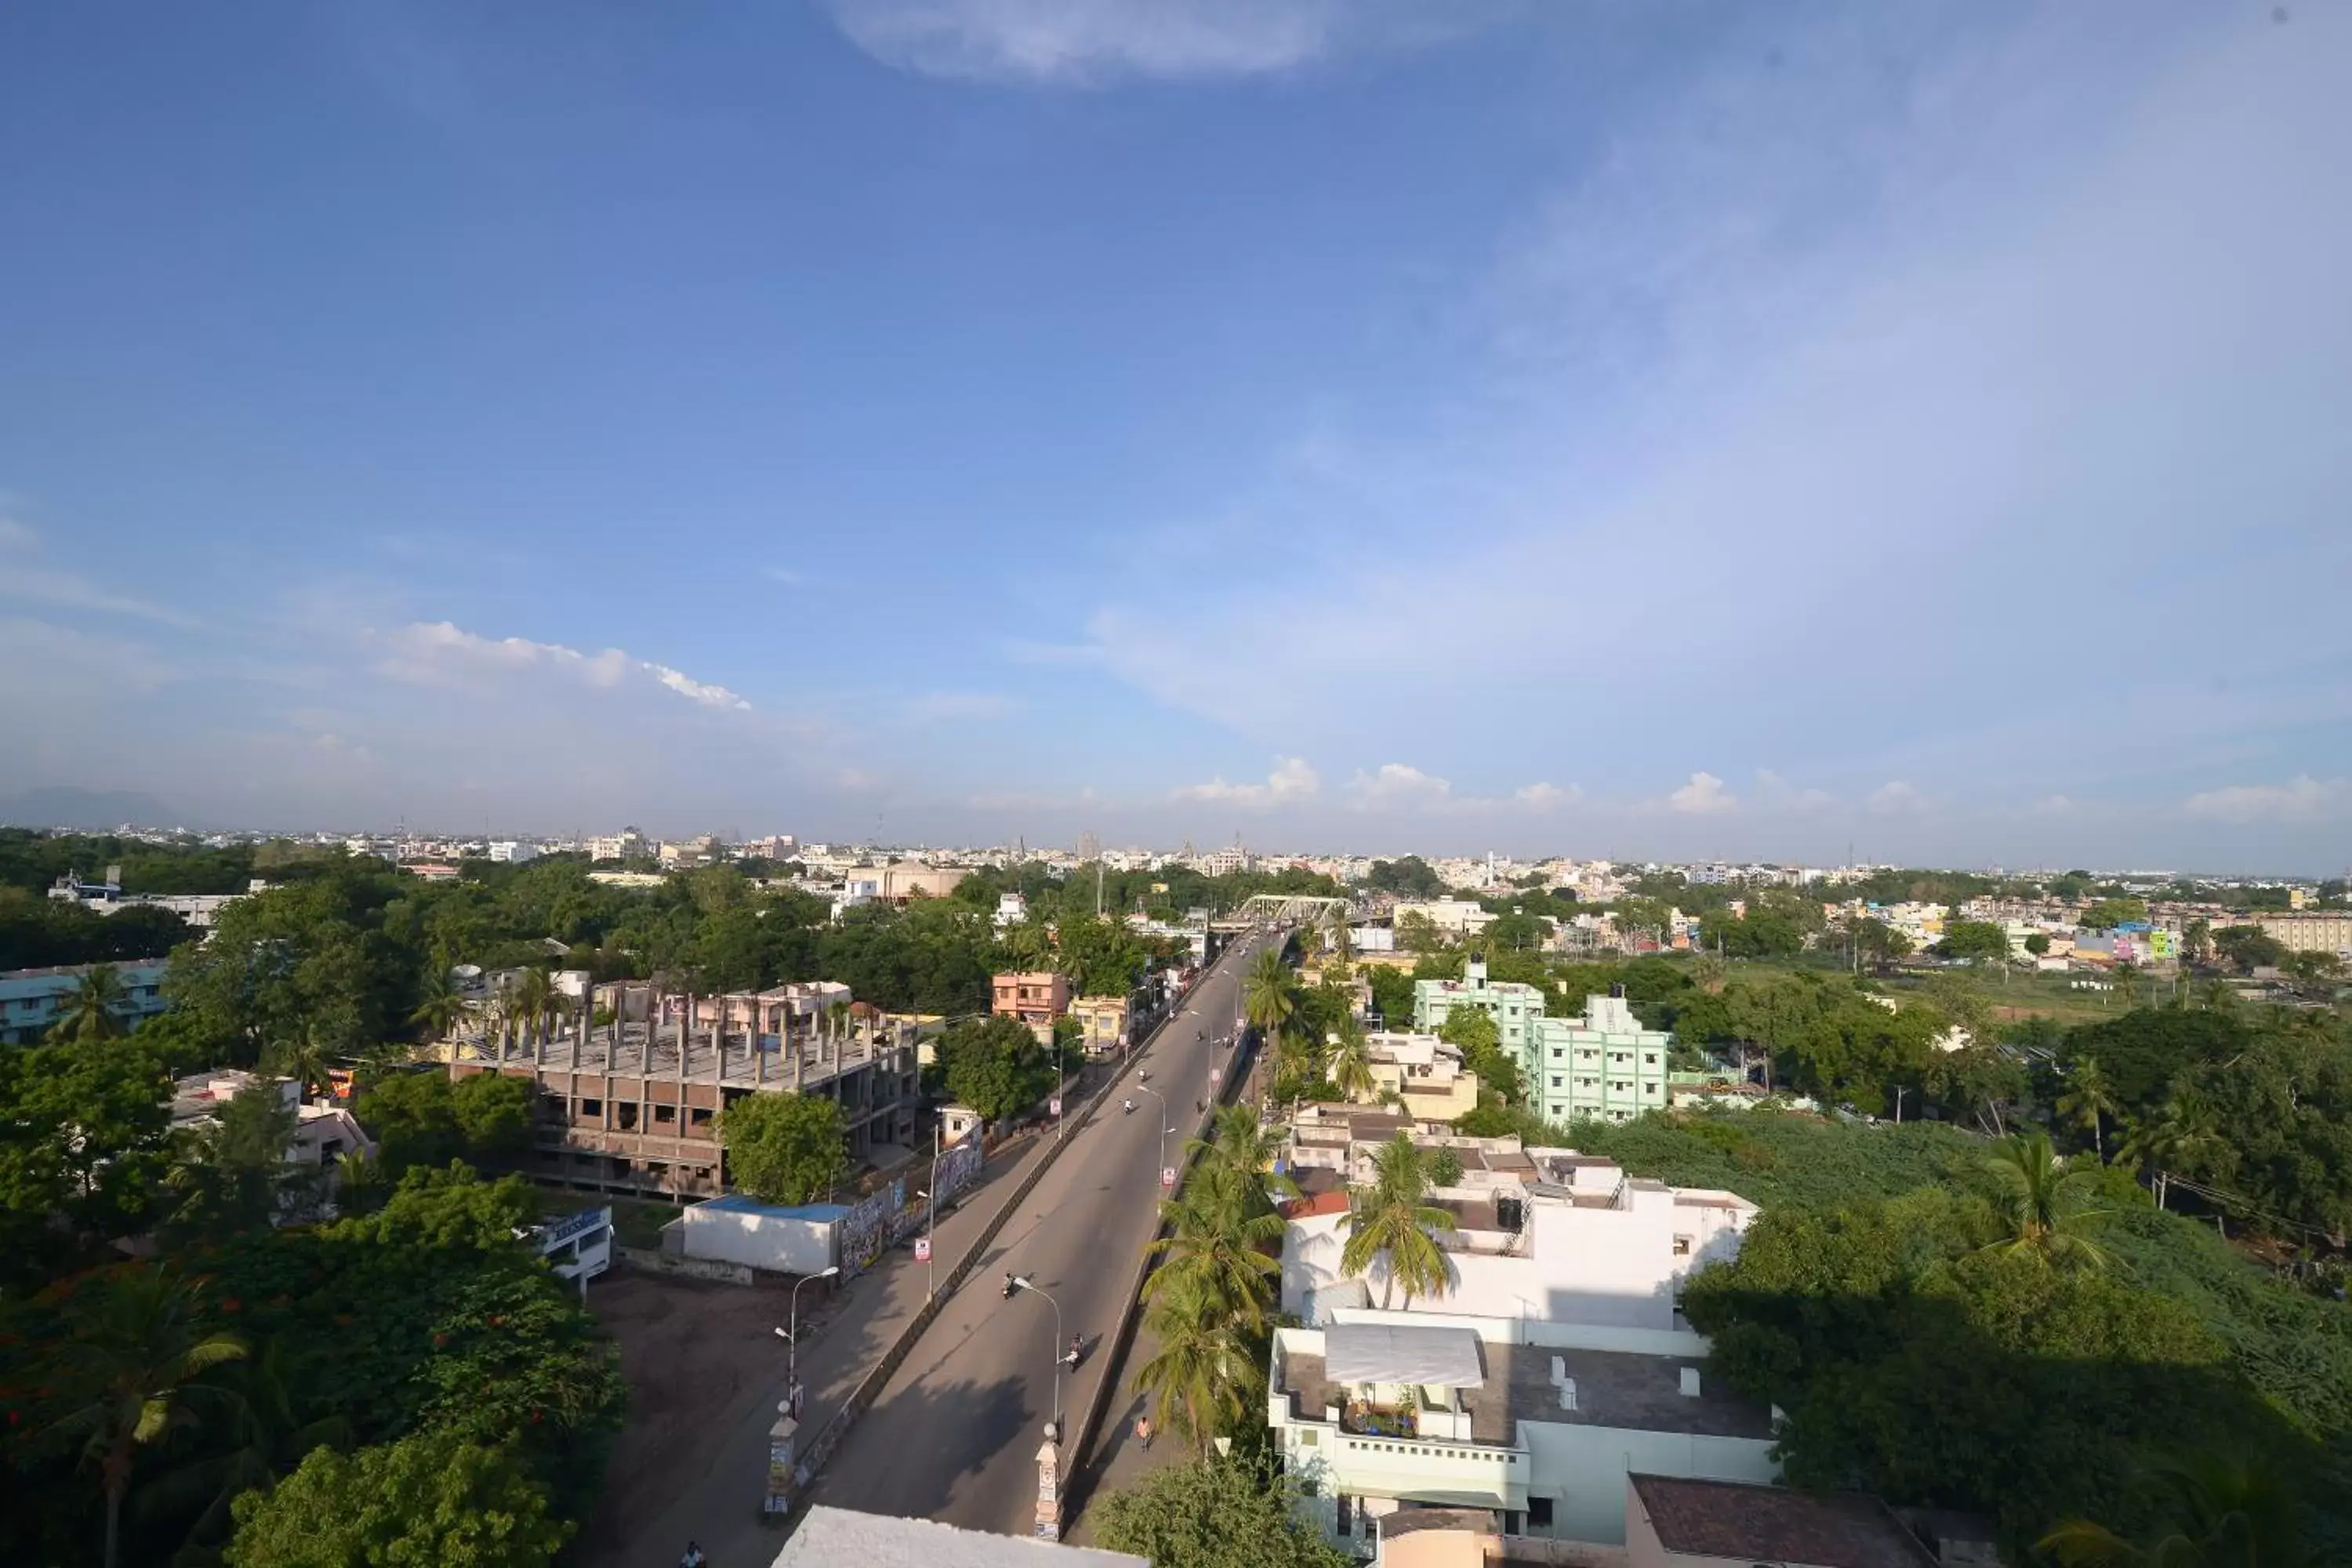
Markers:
{"x": 626, "y": 1106}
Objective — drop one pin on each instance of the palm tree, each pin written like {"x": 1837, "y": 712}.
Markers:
{"x": 130, "y": 1364}
{"x": 1202, "y": 1375}
{"x": 1388, "y": 1222}
{"x": 2181, "y": 1133}
{"x": 2216, "y": 994}
{"x": 534, "y": 1004}
{"x": 2041, "y": 1204}
{"x": 303, "y": 1059}
{"x": 2128, "y": 985}
{"x": 1215, "y": 1252}
{"x": 267, "y": 1439}
{"x": 1269, "y": 997}
{"x": 1241, "y": 1142}
{"x": 2088, "y": 1102}
{"x": 2222, "y": 1513}
{"x": 442, "y": 1007}
{"x": 1351, "y": 1067}
{"x": 91, "y": 1012}
{"x": 1335, "y": 929}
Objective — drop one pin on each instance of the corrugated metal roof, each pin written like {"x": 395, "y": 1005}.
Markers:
{"x": 1391, "y": 1352}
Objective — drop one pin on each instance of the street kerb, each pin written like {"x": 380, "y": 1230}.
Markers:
{"x": 869, "y": 1388}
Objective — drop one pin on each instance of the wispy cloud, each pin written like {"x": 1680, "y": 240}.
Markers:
{"x": 440, "y": 653}
{"x": 1706, "y": 360}
{"x": 2299, "y": 799}
{"x": 27, "y": 578}
{"x": 1085, "y": 42}
{"x": 1293, "y": 781}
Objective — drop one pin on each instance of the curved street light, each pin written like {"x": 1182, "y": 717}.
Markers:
{"x": 1023, "y": 1282}
{"x": 791, "y": 1337}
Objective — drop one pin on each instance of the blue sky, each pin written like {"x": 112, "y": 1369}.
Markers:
{"x": 1661, "y": 428}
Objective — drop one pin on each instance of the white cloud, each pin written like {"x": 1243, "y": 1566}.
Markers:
{"x": 701, "y": 691}
{"x": 440, "y": 653}
{"x": 1292, "y": 782}
{"x": 2301, "y": 799}
{"x": 14, "y": 535}
{"x": 1396, "y": 785}
{"x": 1703, "y": 795}
{"x": 1706, "y": 364}
{"x": 2051, "y": 805}
{"x": 1075, "y": 42}
{"x": 1547, "y": 796}
{"x": 1894, "y": 798}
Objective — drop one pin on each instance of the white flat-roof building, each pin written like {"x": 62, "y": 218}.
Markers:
{"x": 1536, "y": 1425}
{"x": 1541, "y": 1234}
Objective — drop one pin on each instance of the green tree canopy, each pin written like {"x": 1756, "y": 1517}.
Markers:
{"x": 785, "y": 1148}
{"x": 995, "y": 1066}
{"x": 452, "y": 1207}
{"x": 1213, "y": 1513}
{"x": 430, "y": 1498}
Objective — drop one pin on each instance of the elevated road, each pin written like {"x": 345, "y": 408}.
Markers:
{"x": 955, "y": 1434}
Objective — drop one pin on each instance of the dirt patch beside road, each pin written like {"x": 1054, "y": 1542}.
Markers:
{"x": 696, "y": 1354}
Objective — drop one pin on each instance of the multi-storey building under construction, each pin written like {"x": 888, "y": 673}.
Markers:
{"x": 626, "y": 1106}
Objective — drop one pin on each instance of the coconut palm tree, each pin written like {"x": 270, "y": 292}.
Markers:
{"x": 1216, "y": 1255}
{"x": 1388, "y": 1222}
{"x": 2180, "y": 1132}
{"x": 266, "y": 1438}
{"x": 1351, "y": 1067}
{"x": 441, "y": 1007}
{"x": 92, "y": 1011}
{"x": 2088, "y": 1101}
{"x": 1269, "y": 995}
{"x": 1241, "y": 1142}
{"x": 130, "y": 1371}
{"x": 2044, "y": 1207}
{"x": 533, "y": 1003}
{"x": 1202, "y": 1375}
{"x": 303, "y": 1058}
{"x": 2222, "y": 1512}
{"x": 2128, "y": 985}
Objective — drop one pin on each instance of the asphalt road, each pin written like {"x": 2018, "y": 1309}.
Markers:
{"x": 955, "y": 1436}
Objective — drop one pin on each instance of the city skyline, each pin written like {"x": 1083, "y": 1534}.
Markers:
{"x": 1679, "y": 433}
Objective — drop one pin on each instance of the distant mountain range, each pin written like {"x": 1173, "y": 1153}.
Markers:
{"x": 64, "y": 805}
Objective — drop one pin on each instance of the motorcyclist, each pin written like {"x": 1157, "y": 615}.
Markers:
{"x": 1130, "y": 1108}
{"x": 1077, "y": 1347}
{"x": 693, "y": 1557}
{"x": 1009, "y": 1286}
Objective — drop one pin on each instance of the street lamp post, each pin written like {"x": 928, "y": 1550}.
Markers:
{"x": 1023, "y": 1282}
{"x": 1164, "y": 1114}
{"x": 791, "y": 1337}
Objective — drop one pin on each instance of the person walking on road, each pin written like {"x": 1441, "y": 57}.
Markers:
{"x": 1143, "y": 1430}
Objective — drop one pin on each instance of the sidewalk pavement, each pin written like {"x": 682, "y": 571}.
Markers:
{"x": 862, "y": 1320}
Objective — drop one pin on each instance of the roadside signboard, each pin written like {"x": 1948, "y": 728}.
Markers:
{"x": 1054, "y": 1106}
{"x": 922, "y": 1249}
{"x": 1216, "y": 1076}
{"x": 1167, "y": 1175}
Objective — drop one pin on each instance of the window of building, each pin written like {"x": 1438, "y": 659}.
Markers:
{"x": 1555, "y": 1080}
{"x": 1539, "y": 1512}
{"x": 1555, "y": 1053}
{"x": 666, "y": 1113}
{"x": 699, "y": 1117}
{"x": 592, "y": 1108}
{"x": 1681, "y": 1247}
